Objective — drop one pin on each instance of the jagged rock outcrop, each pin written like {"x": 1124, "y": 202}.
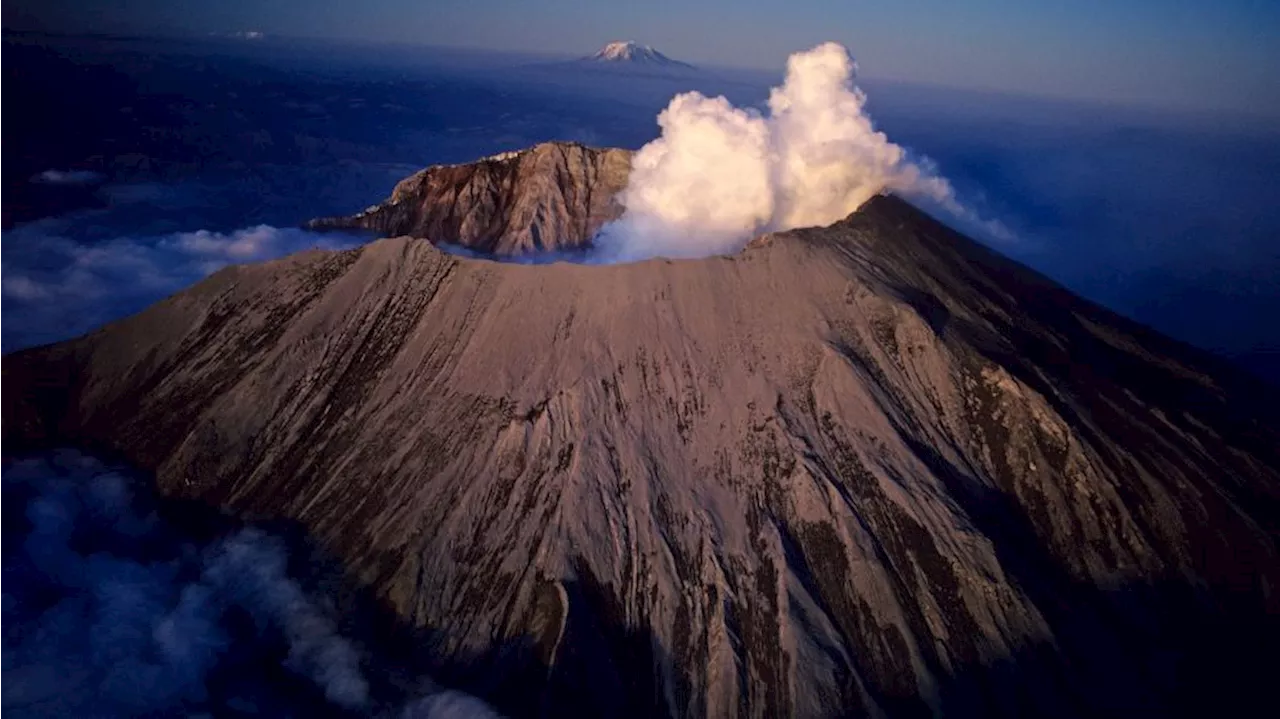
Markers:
{"x": 869, "y": 469}
{"x": 553, "y": 196}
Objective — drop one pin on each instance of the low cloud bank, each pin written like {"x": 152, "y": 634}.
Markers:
{"x": 110, "y": 610}
{"x": 56, "y": 286}
{"x": 67, "y": 177}
{"x": 720, "y": 175}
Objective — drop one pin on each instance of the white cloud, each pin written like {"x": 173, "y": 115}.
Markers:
{"x": 24, "y": 288}
{"x": 701, "y": 187}
{"x": 720, "y": 175}
{"x": 56, "y": 287}
{"x": 67, "y": 177}
{"x": 247, "y": 245}
{"x": 114, "y": 610}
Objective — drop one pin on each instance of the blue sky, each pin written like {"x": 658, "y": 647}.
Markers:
{"x": 1192, "y": 54}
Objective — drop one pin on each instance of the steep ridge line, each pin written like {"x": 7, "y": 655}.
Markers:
{"x": 551, "y": 197}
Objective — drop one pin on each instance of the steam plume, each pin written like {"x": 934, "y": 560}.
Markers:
{"x": 720, "y": 175}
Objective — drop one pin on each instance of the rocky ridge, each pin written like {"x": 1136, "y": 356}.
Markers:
{"x": 553, "y": 196}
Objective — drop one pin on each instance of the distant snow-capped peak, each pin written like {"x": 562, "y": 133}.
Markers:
{"x": 633, "y": 52}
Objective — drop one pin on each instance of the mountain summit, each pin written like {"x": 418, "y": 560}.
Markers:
{"x": 629, "y": 52}
{"x": 867, "y": 469}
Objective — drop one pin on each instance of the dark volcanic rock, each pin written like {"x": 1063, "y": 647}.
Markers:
{"x": 866, "y": 469}
{"x": 553, "y": 196}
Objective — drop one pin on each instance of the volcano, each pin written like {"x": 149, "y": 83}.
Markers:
{"x": 871, "y": 469}
{"x": 628, "y": 53}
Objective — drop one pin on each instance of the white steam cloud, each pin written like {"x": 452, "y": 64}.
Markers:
{"x": 720, "y": 175}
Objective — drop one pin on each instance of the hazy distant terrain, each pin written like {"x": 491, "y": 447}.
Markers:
{"x": 1169, "y": 219}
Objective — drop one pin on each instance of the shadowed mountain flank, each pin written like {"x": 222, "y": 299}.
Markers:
{"x": 867, "y": 469}
{"x": 553, "y": 196}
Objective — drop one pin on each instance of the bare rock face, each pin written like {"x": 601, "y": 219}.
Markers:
{"x": 553, "y": 196}
{"x": 869, "y": 469}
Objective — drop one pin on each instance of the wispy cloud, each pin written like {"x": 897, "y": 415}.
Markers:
{"x": 55, "y": 286}
{"x": 111, "y": 609}
{"x": 67, "y": 177}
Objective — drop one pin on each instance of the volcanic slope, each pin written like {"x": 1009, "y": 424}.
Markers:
{"x": 868, "y": 469}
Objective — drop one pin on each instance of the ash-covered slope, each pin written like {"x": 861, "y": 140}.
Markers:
{"x": 870, "y": 469}
{"x": 553, "y": 196}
